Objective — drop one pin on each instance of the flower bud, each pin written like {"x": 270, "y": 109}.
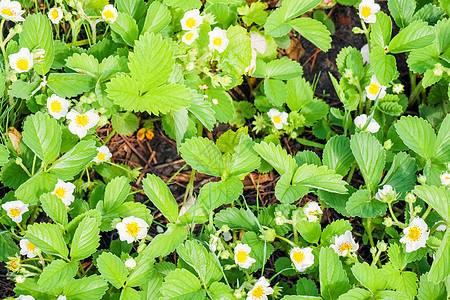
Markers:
{"x": 20, "y": 279}
{"x": 357, "y": 30}
{"x": 417, "y": 209}
{"x": 19, "y": 160}
{"x": 388, "y": 222}
{"x": 382, "y": 246}
{"x": 410, "y": 198}
{"x": 386, "y": 194}
{"x": 190, "y": 66}
{"x": 422, "y": 179}
{"x": 388, "y": 144}
{"x": 130, "y": 263}
{"x": 438, "y": 69}
{"x": 398, "y": 88}
{"x": 373, "y": 250}
{"x": 225, "y": 254}
{"x": 239, "y": 294}
{"x": 269, "y": 235}
{"x": 18, "y": 28}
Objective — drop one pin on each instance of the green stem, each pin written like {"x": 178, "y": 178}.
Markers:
{"x": 286, "y": 240}
{"x": 31, "y": 267}
{"x": 400, "y": 224}
{"x": 350, "y": 174}
{"x": 427, "y": 212}
{"x": 310, "y": 143}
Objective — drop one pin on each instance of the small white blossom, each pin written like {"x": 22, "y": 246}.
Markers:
{"x": 438, "y": 70}
{"x": 130, "y": 263}
{"x": 302, "y": 258}
{"x": 64, "y": 191}
{"x": 103, "y": 154}
{"x": 278, "y": 118}
{"x": 260, "y": 290}
{"x": 445, "y": 179}
{"x": 15, "y": 210}
{"x": 344, "y": 244}
{"x": 27, "y": 248}
{"x": 213, "y": 242}
{"x": 386, "y": 194}
{"x": 227, "y": 236}
{"x": 109, "y": 13}
{"x": 61, "y": 297}
{"x": 11, "y": 10}
{"x": 190, "y": 36}
{"x": 441, "y": 227}
{"x": 132, "y": 229}
{"x": 242, "y": 256}
{"x": 416, "y": 235}
{"x": 21, "y": 61}
{"x": 81, "y": 123}
{"x": 398, "y": 88}
{"x": 258, "y": 44}
{"x": 312, "y": 210}
{"x": 365, "y": 54}
{"x": 25, "y": 297}
{"x": 367, "y": 10}
{"x": 218, "y": 39}
{"x": 375, "y": 88}
{"x": 360, "y": 122}
{"x": 57, "y": 106}
{"x": 191, "y": 19}
{"x": 55, "y": 15}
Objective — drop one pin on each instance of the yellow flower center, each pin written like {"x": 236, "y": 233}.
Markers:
{"x": 217, "y": 41}
{"x": 133, "y": 229}
{"x": 345, "y": 246}
{"x": 312, "y": 212}
{"x": 298, "y": 257}
{"x": 101, "y": 156}
{"x": 189, "y": 36}
{"x": 241, "y": 256}
{"x": 277, "y": 119}
{"x": 108, "y": 14}
{"x": 7, "y": 11}
{"x": 374, "y": 88}
{"x": 414, "y": 233}
{"x": 14, "y": 212}
{"x": 60, "y": 192}
{"x": 54, "y": 13}
{"x": 55, "y": 106}
{"x": 81, "y": 120}
{"x": 258, "y": 292}
{"x": 190, "y": 22}
{"x": 365, "y": 12}
{"x": 30, "y": 246}
{"x": 22, "y": 64}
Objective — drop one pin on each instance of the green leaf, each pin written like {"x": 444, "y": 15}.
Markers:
{"x": 307, "y": 157}
{"x": 48, "y": 238}
{"x": 276, "y": 91}
{"x": 23, "y": 90}
{"x": 69, "y": 85}
{"x": 402, "y": 11}
{"x": 442, "y": 35}
{"x": 430, "y": 291}
{"x": 261, "y": 250}
{"x": 7, "y": 246}
{"x": 337, "y": 154}
{"x": 237, "y": 55}
{"x": 320, "y": 178}
{"x": 275, "y": 24}
{"x": 224, "y": 109}
{"x": 288, "y": 193}
{"x": 416, "y": 35}
{"x": 401, "y": 281}
{"x": 164, "y": 244}
{"x": 299, "y": 92}
{"x": 203, "y": 261}
{"x": 219, "y": 291}
{"x": 337, "y": 201}
{"x": 438, "y": 198}
{"x": 36, "y": 34}
{"x": 356, "y": 294}
{"x": 363, "y": 205}
{"x": 182, "y": 284}
{"x": 442, "y": 148}
{"x": 42, "y": 134}
{"x": 160, "y": 195}
{"x": 333, "y": 279}
{"x": 57, "y": 273}
{"x": 254, "y": 14}
{"x": 175, "y": 124}
{"x": 417, "y": 134}
{"x": 87, "y": 288}
{"x": 381, "y": 30}
{"x": 142, "y": 272}
{"x": 202, "y": 110}
{"x": 369, "y": 276}
{"x": 203, "y": 155}
{"x": 116, "y": 193}
{"x": 54, "y": 208}
{"x": 86, "y": 239}
{"x": 314, "y": 31}
{"x": 129, "y": 293}
{"x": 383, "y": 65}
{"x": 125, "y": 124}
{"x": 397, "y": 257}
{"x": 184, "y": 5}
{"x": 135, "y": 8}
{"x": 84, "y": 63}
{"x": 306, "y": 287}
{"x": 370, "y": 156}
{"x": 112, "y": 269}
{"x": 244, "y": 160}
{"x": 30, "y": 191}
{"x": 158, "y": 17}
{"x": 402, "y": 174}
{"x": 277, "y": 157}
{"x": 4, "y": 155}
{"x": 71, "y": 163}
{"x": 336, "y": 228}
{"x": 236, "y": 219}
{"x": 228, "y": 141}
{"x": 214, "y": 194}
{"x": 310, "y": 231}
{"x": 126, "y": 27}
{"x": 390, "y": 295}
{"x": 283, "y": 69}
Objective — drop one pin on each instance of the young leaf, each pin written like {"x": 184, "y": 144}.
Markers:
{"x": 165, "y": 243}
{"x": 369, "y": 276}
{"x": 158, "y": 17}
{"x": 54, "y": 208}
{"x": 86, "y": 239}
{"x": 48, "y": 238}
{"x": 182, "y": 284}
{"x": 116, "y": 193}
{"x": 126, "y": 27}
{"x": 333, "y": 279}
{"x": 286, "y": 192}
{"x": 160, "y": 195}
{"x": 363, "y": 205}
{"x": 214, "y": 194}
{"x": 57, "y": 273}
{"x": 112, "y": 269}
{"x": 337, "y": 154}
{"x": 88, "y": 288}
{"x": 203, "y": 155}
{"x": 314, "y": 31}
{"x": 320, "y": 178}
{"x": 277, "y": 157}
{"x": 416, "y": 35}
{"x": 244, "y": 159}
{"x": 417, "y": 134}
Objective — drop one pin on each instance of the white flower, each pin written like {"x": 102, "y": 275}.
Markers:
{"x": 64, "y": 191}
{"x": 258, "y": 44}
{"x": 227, "y": 236}
{"x": 190, "y": 36}
{"x": 25, "y": 297}
{"x": 21, "y": 61}
{"x": 438, "y": 70}
{"x": 445, "y": 179}
{"x": 344, "y": 244}
{"x": 130, "y": 263}
{"x": 109, "y": 13}
{"x": 61, "y": 297}
{"x": 302, "y": 258}
{"x": 218, "y": 39}
{"x": 55, "y": 15}
{"x": 242, "y": 256}
{"x": 81, "y": 123}
{"x": 213, "y": 242}
{"x": 398, "y": 88}
{"x": 416, "y": 235}
{"x": 191, "y": 19}
{"x": 441, "y": 227}
{"x": 278, "y": 118}
{"x": 367, "y": 10}
{"x": 103, "y": 154}
{"x": 38, "y": 54}
{"x": 375, "y": 88}
{"x": 311, "y": 210}
{"x": 132, "y": 229}
{"x": 365, "y": 54}
{"x": 386, "y": 194}
{"x": 360, "y": 122}
{"x": 27, "y": 248}
{"x": 15, "y": 210}
{"x": 260, "y": 290}
{"x": 57, "y": 106}
{"x": 11, "y": 10}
